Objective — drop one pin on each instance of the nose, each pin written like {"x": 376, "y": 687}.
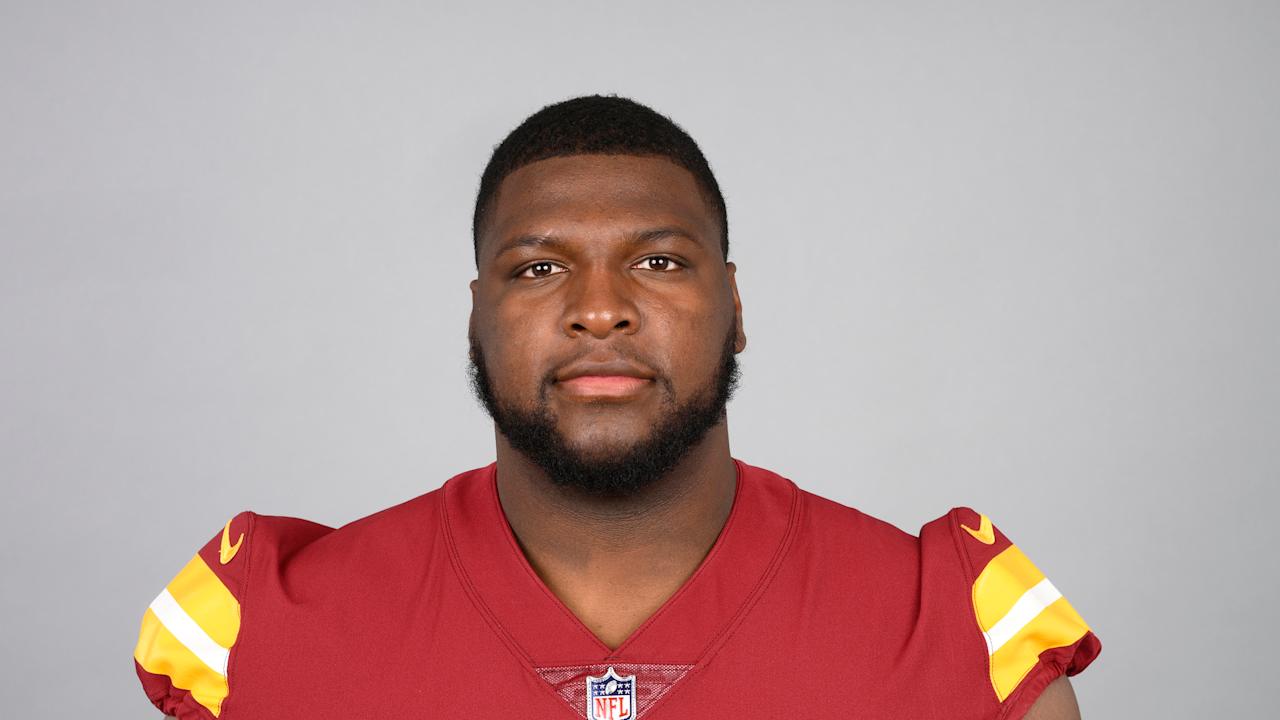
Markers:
{"x": 599, "y": 302}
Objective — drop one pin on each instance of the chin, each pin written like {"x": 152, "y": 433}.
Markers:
{"x": 602, "y": 451}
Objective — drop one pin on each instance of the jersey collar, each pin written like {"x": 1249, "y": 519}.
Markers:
{"x": 684, "y": 631}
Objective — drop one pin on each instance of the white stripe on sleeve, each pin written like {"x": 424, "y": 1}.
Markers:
{"x": 189, "y": 633}
{"x": 1031, "y": 604}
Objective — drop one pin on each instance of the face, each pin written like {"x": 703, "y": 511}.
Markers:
{"x": 605, "y": 322}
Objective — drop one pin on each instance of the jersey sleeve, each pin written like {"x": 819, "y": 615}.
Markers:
{"x": 186, "y": 646}
{"x": 1030, "y": 633}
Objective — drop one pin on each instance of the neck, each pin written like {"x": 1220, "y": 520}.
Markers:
{"x": 592, "y": 552}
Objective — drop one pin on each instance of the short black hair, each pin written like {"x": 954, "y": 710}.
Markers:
{"x": 596, "y": 125}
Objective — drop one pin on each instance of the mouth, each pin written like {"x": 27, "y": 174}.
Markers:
{"x": 604, "y": 386}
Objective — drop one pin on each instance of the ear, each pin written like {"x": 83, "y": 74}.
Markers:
{"x": 471, "y": 319}
{"x": 740, "y": 335}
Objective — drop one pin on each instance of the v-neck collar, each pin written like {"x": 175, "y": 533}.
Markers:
{"x": 544, "y": 632}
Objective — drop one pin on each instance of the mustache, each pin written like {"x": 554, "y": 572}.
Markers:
{"x": 556, "y": 368}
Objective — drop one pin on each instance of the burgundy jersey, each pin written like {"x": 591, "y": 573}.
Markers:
{"x": 802, "y": 608}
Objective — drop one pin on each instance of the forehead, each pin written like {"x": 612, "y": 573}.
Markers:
{"x": 594, "y": 196}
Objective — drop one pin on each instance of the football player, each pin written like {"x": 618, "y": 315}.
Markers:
{"x": 615, "y": 561}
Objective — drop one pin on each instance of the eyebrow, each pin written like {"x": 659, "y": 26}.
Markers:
{"x": 642, "y": 237}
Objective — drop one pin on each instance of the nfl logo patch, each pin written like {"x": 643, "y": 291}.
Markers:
{"x": 610, "y": 697}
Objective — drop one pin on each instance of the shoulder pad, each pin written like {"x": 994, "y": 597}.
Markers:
{"x": 189, "y": 631}
{"x": 1032, "y": 634}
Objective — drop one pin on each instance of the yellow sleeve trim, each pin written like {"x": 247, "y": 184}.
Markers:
{"x": 203, "y": 596}
{"x": 1001, "y": 583}
{"x": 160, "y": 653}
{"x": 187, "y": 634}
{"x": 1021, "y": 615}
{"x": 1057, "y": 625}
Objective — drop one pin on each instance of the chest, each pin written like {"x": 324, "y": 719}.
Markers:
{"x": 789, "y": 658}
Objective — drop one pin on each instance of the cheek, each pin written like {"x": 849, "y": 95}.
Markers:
{"x": 514, "y": 355}
{"x": 696, "y": 335}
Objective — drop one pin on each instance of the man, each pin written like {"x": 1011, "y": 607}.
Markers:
{"x": 616, "y": 561}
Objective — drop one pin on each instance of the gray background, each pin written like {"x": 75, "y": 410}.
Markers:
{"x": 1013, "y": 255}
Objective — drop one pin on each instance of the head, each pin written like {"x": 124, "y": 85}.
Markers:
{"x": 605, "y": 317}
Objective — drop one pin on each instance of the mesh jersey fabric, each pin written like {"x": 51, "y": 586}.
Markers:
{"x": 429, "y": 609}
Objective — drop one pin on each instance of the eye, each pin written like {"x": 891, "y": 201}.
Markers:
{"x": 661, "y": 263}
{"x": 540, "y": 269}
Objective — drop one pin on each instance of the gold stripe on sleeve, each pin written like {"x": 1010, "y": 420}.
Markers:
{"x": 1021, "y": 614}
{"x": 1001, "y": 583}
{"x": 160, "y": 653}
{"x": 207, "y": 601}
{"x": 1056, "y": 626}
{"x": 188, "y": 631}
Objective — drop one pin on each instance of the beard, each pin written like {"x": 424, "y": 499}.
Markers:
{"x": 623, "y": 472}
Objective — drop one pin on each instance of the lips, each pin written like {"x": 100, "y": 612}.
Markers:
{"x": 612, "y": 378}
{"x": 615, "y": 367}
{"x": 604, "y": 385}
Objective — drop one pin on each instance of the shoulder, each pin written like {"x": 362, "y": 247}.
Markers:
{"x": 840, "y": 529}
{"x": 993, "y": 622}
{"x": 189, "y": 630}
{"x": 191, "y": 633}
{"x": 1031, "y": 635}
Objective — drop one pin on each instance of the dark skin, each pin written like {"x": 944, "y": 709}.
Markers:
{"x": 613, "y": 562}
{"x": 596, "y": 283}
